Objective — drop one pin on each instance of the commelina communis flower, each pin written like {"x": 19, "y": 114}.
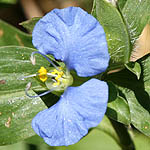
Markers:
{"x": 77, "y": 39}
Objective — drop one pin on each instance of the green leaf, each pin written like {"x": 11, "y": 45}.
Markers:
{"x": 8, "y": 1}
{"x": 29, "y": 24}
{"x": 16, "y": 113}
{"x": 141, "y": 141}
{"x": 118, "y": 108}
{"x": 140, "y": 116}
{"x": 121, "y": 3}
{"x": 15, "y": 63}
{"x": 16, "y": 109}
{"x": 17, "y": 146}
{"x": 116, "y": 32}
{"x": 10, "y": 35}
{"x": 137, "y": 94}
{"x": 36, "y": 140}
{"x": 118, "y": 132}
{"x": 107, "y": 128}
{"x": 134, "y": 68}
{"x": 113, "y": 2}
{"x": 136, "y": 14}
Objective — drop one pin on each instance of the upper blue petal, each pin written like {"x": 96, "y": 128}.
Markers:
{"x": 74, "y": 37}
{"x": 78, "y": 109}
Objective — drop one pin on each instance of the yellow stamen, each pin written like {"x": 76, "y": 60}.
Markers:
{"x": 58, "y": 77}
{"x": 56, "y": 83}
{"x": 42, "y": 74}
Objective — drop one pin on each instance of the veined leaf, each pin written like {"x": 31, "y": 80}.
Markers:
{"x": 113, "y": 2}
{"x": 135, "y": 68}
{"x": 121, "y": 3}
{"x": 16, "y": 113}
{"x": 16, "y": 109}
{"x": 29, "y": 24}
{"x": 14, "y": 64}
{"x": 137, "y": 94}
{"x": 116, "y": 32}
{"x": 10, "y": 35}
{"x": 118, "y": 108}
{"x": 136, "y": 14}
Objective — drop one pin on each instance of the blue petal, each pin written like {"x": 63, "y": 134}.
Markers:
{"x": 78, "y": 109}
{"x": 74, "y": 37}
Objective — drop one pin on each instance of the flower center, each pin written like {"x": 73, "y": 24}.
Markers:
{"x": 54, "y": 79}
{"x": 57, "y": 76}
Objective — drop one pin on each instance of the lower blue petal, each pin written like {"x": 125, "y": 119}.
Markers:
{"x": 78, "y": 109}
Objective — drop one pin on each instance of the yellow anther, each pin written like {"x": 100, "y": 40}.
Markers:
{"x": 56, "y": 83}
{"x": 58, "y": 77}
{"x": 42, "y": 74}
{"x": 61, "y": 73}
{"x": 60, "y": 68}
{"x": 54, "y": 72}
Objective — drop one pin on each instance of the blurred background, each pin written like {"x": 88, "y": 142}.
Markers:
{"x": 15, "y": 11}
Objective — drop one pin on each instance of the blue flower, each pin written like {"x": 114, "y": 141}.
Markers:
{"x": 76, "y": 38}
